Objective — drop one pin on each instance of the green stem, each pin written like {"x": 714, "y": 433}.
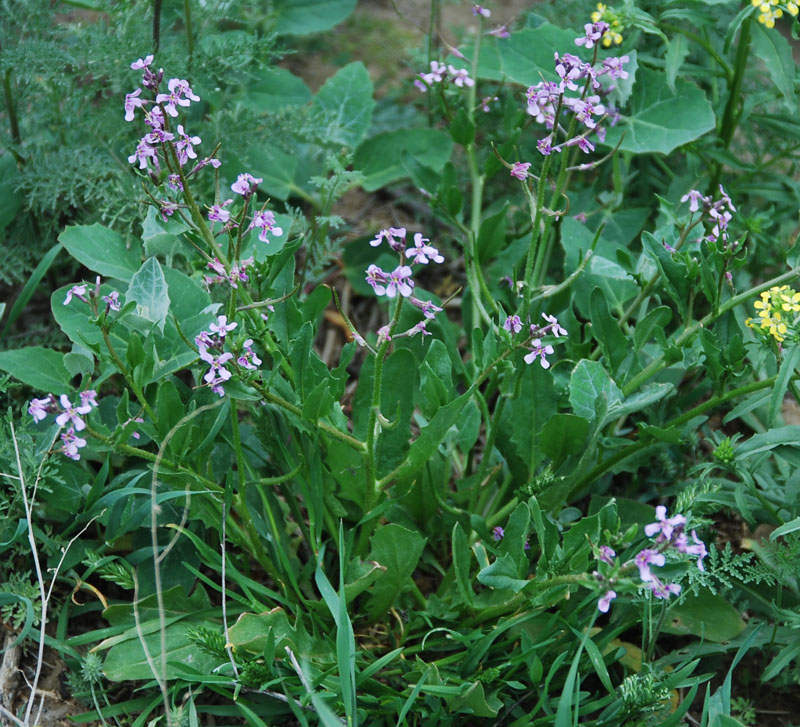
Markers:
{"x": 602, "y": 467}
{"x": 128, "y": 376}
{"x": 11, "y": 110}
{"x": 156, "y": 24}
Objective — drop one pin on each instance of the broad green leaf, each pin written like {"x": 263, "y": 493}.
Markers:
{"x": 301, "y": 17}
{"x": 275, "y": 89}
{"x": 775, "y": 51}
{"x": 161, "y": 238}
{"x": 102, "y": 250}
{"x": 343, "y": 106}
{"x": 277, "y": 169}
{"x": 40, "y": 368}
{"x": 563, "y": 435}
{"x": 127, "y": 661}
{"x": 148, "y": 289}
{"x": 661, "y": 120}
{"x": 474, "y": 701}
{"x": 380, "y": 158}
{"x": 250, "y": 632}
{"x": 705, "y": 615}
{"x": 502, "y": 574}
{"x": 589, "y": 383}
{"x": 677, "y": 51}
{"x": 527, "y": 56}
{"x": 398, "y": 550}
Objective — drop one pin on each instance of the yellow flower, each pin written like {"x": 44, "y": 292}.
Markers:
{"x": 792, "y": 8}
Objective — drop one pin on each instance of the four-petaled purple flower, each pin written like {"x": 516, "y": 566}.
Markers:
{"x": 664, "y": 526}
{"x": 112, "y": 301}
{"x": 222, "y": 327}
{"x": 607, "y": 554}
{"x": 72, "y": 413}
{"x": 185, "y": 146}
{"x": 682, "y": 545}
{"x": 399, "y": 281}
{"x": 480, "y": 10}
{"x": 265, "y": 221}
{"x": 395, "y": 236}
{"x": 644, "y": 559}
{"x": 142, "y": 63}
{"x": 555, "y": 327}
{"x": 217, "y": 371}
{"x": 540, "y": 352}
{"x": 218, "y": 213}
{"x": 498, "y": 533}
{"x": 663, "y": 590}
{"x": 593, "y": 32}
{"x": 249, "y": 359}
{"x": 144, "y": 152}
{"x": 40, "y": 408}
{"x": 180, "y": 94}
{"x": 460, "y": 76}
{"x": 423, "y": 253}
{"x": 88, "y": 398}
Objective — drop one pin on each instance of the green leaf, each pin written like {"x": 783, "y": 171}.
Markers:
{"x": 789, "y": 364}
{"x": 461, "y": 563}
{"x": 492, "y": 235}
{"x": 101, "y": 250}
{"x": 563, "y": 435}
{"x": 660, "y": 119}
{"x": 301, "y": 17}
{"x": 502, "y": 574}
{"x": 251, "y": 631}
{"x": 527, "y": 56}
{"x": 276, "y": 168}
{"x": 654, "y": 323}
{"x": 677, "y": 51}
{"x": 705, "y": 615}
{"x": 589, "y": 384}
{"x": 344, "y": 106}
{"x": 775, "y": 51}
{"x": 462, "y": 129}
{"x": 275, "y": 89}
{"x": 38, "y": 367}
{"x": 606, "y": 331}
{"x": 399, "y": 551}
{"x": 380, "y": 157}
{"x": 148, "y": 289}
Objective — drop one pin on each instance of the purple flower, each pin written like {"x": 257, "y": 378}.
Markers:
{"x": 423, "y": 253}
{"x": 384, "y": 334}
{"x": 607, "y": 554}
{"x": 174, "y": 182}
{"x": 592, "y": 34}
{"x": 246, "y": 184}
{"x": 154, "y": 118}
{"x": 539, "y": 351}
{"x": 78, "y": 291}
{"x": 377, "y": 278}
{"x": 613, "y": 67}
{"x": 429, "y": 309}
{"x": 248, "y": 359}
{"x": 141, "y": 63}
{"x": 265, "y": 221}
{"x": 222, "y": 327}
{"x": 644, "y": 559}
{"x": 605, "y": 602}
{"x": 71, "y": 413}
{"x": 698, "y": 548}
{"x": 545, "y": 146}
{"x": 662, "y": 590}
{"x": 185, "y": 146}
{"x": 218, "y": 213}
{"x": 217, "y": 371}
{"x": 143, "y": 153}
{"x": 460, "y": 76}
{"x": 88, "y": 398}
{"x": 695, "y": 199}
{"x": 204, "y": 340}
{"x": 112, "y": 301}
{"x": 39, "y": 408}
{"x": 399, "y": 281}
{"x": 180, "y": 94}
{"x": 663, "y": 525}
{"x": 513, "y": 324}
{"x": 485, "y": 101}
{"x": 72, "y": 443}
{"x": 420, "y": 327}
{"x": 498, "y": 533}
{"x": 395, "y": 236}
{"x": 483, "y": 12}
{"x": 501, "y": 31}
{"x": 582, "y": 143}
{"x": 520, "y": 170}
{"x": 132, "y": 102}
{"x": 542, "y": 100}
{"x": 555, "y": 327}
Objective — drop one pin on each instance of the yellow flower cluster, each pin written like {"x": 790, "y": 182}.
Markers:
{"x": 775, "y": 303}
{"x": 615, "y": 26}
{"x": 770, "y": 10}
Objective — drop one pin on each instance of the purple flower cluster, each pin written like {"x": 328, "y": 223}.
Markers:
{"x": 237, "y": 274}
{"x": 440, "y": 73}
{"x": 669, "y": 536}
{"x": 67, "y": 415}
{"x": 719, "y": 213}
{"x": 513, "y": 324}
{"x": 89, "y": 295}
{"x": 211, "y": 345}
{"x": 588, "y": 82}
